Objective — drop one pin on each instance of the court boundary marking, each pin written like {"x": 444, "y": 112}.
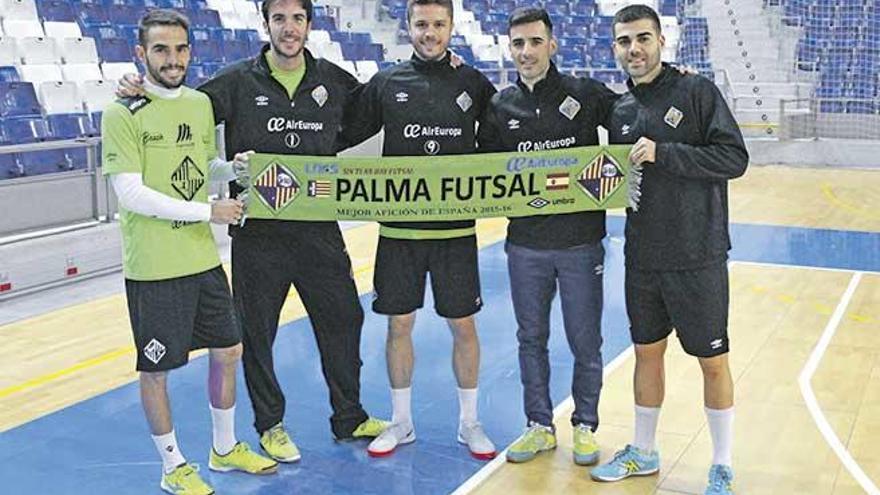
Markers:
{"x": 500, "y": 459}
{"x": 805, "y": 378}
{"x": 845, "y": 457}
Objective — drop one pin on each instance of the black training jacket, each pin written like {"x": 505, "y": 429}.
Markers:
{"x": 562, "y": 112}
{"x": 682, "y": 221}
{"x": 426, "y": 108}
{"x": 260, "y": 116}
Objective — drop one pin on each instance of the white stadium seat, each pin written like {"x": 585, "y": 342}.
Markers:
{"x": 18, "y": 10}
{"x": 97, "y": 94}
{"x": 61, "y": 30}
{"x": 115, "y": 71}
{"x": 23, "y": 28}
{"x": 41, "y": 73}
{"x": 60, "y": 97}
{"x": 78, "y": 50}
{"x": 38, "y": 50}
{"x": 81, "y": 72}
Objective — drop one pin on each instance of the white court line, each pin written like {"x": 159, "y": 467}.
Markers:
{"x": 812, "y": 404}
{"x": 483, "y": 474}
{"x": 802, "y": 267}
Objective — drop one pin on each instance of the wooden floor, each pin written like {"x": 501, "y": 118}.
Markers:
{"x": 777, "y": 317}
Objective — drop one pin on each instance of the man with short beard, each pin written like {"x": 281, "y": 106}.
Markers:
{"x": 285, "y": 101}
{"x": 546, "y": 251}
{"x": 689, "y": 146}
{"x": 158, "y": 149}
{"x": 427, "y": 108}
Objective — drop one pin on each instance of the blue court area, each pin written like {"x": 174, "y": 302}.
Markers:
{"x": 102, "y": 446}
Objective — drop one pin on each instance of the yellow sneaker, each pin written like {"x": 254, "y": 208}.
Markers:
{"x": 277, "y": 443}
{"x": 370, "y": 428}
{"x": 586, "y": 450}
{"x": 185, "y": 480}
{"x": 242, "y": 458}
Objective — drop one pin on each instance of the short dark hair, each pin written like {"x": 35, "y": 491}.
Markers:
{"x": 160, "y": 17}
{"x": 528, "y": 15}
{"x": 305, "y": 4}
{"x": 634, "y": 13}
{"x": 412, "y": 3}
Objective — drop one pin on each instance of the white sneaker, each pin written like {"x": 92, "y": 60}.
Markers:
{"x": 475, "y": 438}
{"x": 396, "y": 434}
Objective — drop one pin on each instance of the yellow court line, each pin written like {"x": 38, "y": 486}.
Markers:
{"x": 42, "y": 380}
{"x": 834, "y": 200}
{"x": 125, "y": 351}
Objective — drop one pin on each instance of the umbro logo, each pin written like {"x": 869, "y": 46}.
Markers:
{"x": 184, "y": 133}
{"x": 262, "y": 101}
{"x": 625, "y": 129}
{"x": 402, "y": 97}
{"x": 513, "y": 124}
{"x": 716, "y": 344}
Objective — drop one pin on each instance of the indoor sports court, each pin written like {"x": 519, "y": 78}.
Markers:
{"x": 804, "y": 271}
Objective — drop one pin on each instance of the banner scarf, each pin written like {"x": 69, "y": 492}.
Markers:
{"x": 450, "y": 187}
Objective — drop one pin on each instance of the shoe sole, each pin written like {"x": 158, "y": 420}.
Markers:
{"x": 480, "y": 456}
{"x": 228, "y": 469}
{"x": 519, "y": 460}
{"x": 586, "y": 460}
{"x": 167, "y": 489}
{"x": 638, "y": 473}
{"x": 385, "y": 453}
{"x": 286, "y": 460}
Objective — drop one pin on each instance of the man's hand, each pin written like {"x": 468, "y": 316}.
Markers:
{"x": 455, "y": 60}
{"x": 130, "y": 85}
{"x": 240, "y": 166}
{"x": 226, "y": 211}
{"x": 643, "y": 152}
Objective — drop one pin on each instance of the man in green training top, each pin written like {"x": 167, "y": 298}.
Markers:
{"x": 159, "y": 152}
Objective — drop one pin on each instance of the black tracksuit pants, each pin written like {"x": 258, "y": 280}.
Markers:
{"x": 314, "y": 260}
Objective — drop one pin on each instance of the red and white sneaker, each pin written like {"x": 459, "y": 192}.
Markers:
{"x": 476, "y": 440}
{"x": 396, "y": 434}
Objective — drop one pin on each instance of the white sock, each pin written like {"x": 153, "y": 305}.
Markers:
{"x": 467, "y": 406}
{"x": 224, "y": 429}
{"x": 401, "y": 399}
{"x": 167, "y": 446}
{"x": 646, "y": 427}
{"x": 721, "y": 429}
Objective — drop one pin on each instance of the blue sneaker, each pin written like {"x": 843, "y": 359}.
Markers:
{"x": 627, "y": 462}
{"x": 720, "y": 477}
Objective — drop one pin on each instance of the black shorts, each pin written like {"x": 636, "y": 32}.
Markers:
{"x": 171, "y": 317}
{"x": 401, "y": 266}
{"x": 695, "y": 302}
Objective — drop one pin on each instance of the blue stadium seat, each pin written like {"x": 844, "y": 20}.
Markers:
{"x": 53, "y": 161}
{"x": 205, "y": 18}
{"x": 93, "y": 15}
{"x": 207, "y": 51}
{"x": 96, "y": 121}
{"x": 10, "y": 166}
{"x": 235, "y": 50}
{"x": 324, "y": 23}
{"x": 70, "y": 125}
{"x": 9, "y": 74}
{"x": 56, "y": 11}
{"x": 19, "y": 99}
{"x": 114, "y": 50}
{"x": 26, "y": 129}
{"x": 100, "y": 32}
{"x": 125, "y": 14}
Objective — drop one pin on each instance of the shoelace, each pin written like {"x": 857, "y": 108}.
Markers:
{"x": 620, "y": 454}
{"x": 720, "y": 480}
{"x": 277, "y": 435}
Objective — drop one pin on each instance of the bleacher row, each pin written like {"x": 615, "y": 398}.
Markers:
{"x": 583, "y": 29}
{"x": 59, "y": 61}
{"x": 840, "y": 40}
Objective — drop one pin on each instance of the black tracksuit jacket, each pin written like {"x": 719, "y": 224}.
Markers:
{"x": 682, "y": 220}
{"x": 562, "y": 112}
{"x": 259, "y": 115}
{"x": 426, "y": 108}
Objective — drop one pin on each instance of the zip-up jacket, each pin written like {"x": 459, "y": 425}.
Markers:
{"x": 426, "y": 108}
{"x": 682, "y": 220}
{"x": 562, "y": 112}
{"x": 260, "y": 115}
